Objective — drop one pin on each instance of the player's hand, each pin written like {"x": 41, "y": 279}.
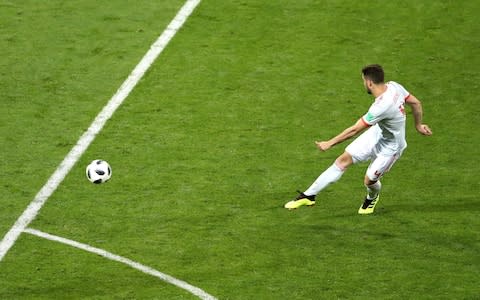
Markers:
{"x": 323, "y": 146}
{"x": 424, "y": 129}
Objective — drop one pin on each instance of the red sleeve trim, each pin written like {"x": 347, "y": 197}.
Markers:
{"x": 365, "y": 122}
{"x": 408, "y": 96}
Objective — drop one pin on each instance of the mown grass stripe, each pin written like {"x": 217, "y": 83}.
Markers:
{"x": 108, "y": 255}
{"x": 86, "y": 139}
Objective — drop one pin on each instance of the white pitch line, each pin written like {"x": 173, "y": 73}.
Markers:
{"x": 82, "y": 144}
{"x": 145, "y": 269}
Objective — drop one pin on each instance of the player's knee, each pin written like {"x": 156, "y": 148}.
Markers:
{"x": 369, "y": 181}
{"x": 344, "y": 161}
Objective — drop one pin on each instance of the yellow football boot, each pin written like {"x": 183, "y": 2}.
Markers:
{"x": 301, "y": 200}
{"x": 368, "y": 206}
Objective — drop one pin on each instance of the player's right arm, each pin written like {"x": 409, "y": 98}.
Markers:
{"x": 417, "y": 112}
{"x": 349, "y": 132}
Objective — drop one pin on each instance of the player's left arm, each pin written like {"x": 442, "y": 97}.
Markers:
{"x": 349, "y": 132}
{"x": 417, "y": 112}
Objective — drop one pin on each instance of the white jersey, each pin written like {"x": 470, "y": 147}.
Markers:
{"x": 387, "y": 117}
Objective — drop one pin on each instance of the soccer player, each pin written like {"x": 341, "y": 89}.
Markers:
{"x": 382, "y": 141}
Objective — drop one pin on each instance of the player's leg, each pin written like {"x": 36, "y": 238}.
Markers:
{"x": 372, "y": 198}
{"x": 373, "y": 187}
{"x": 330, "y": 175}
{"x": 361, "y": 149}
{"x": 379, "y": 166}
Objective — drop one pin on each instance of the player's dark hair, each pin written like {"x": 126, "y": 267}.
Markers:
{"x": 374, "y": 73}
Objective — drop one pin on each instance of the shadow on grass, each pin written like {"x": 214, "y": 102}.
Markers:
{"x": 455, "y": 205}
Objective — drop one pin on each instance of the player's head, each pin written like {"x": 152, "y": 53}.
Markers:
{"x": 372, "y": 75}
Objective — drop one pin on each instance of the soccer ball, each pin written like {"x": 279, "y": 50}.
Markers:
{"x": 98, "y": 171}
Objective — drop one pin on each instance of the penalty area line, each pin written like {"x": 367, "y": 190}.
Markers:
{"x": 86, "y": 139}
{"x": 108, "y": 255}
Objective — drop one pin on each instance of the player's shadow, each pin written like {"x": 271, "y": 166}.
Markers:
{"x": 455, "y": 205}
{"x": 341, "y": 231}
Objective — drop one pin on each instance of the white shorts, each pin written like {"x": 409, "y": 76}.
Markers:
{"x": 365, "y": 148}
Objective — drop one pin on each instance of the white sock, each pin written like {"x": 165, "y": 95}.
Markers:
{"x": 330, "y": 175}
{"x": 373, "y": 190}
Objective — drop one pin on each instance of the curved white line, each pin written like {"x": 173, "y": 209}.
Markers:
{"x": 145, "y": 269}
{"x": 86, "y": 139}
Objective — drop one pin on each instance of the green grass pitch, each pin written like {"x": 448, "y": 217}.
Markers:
{"x": 219, "y": 134}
